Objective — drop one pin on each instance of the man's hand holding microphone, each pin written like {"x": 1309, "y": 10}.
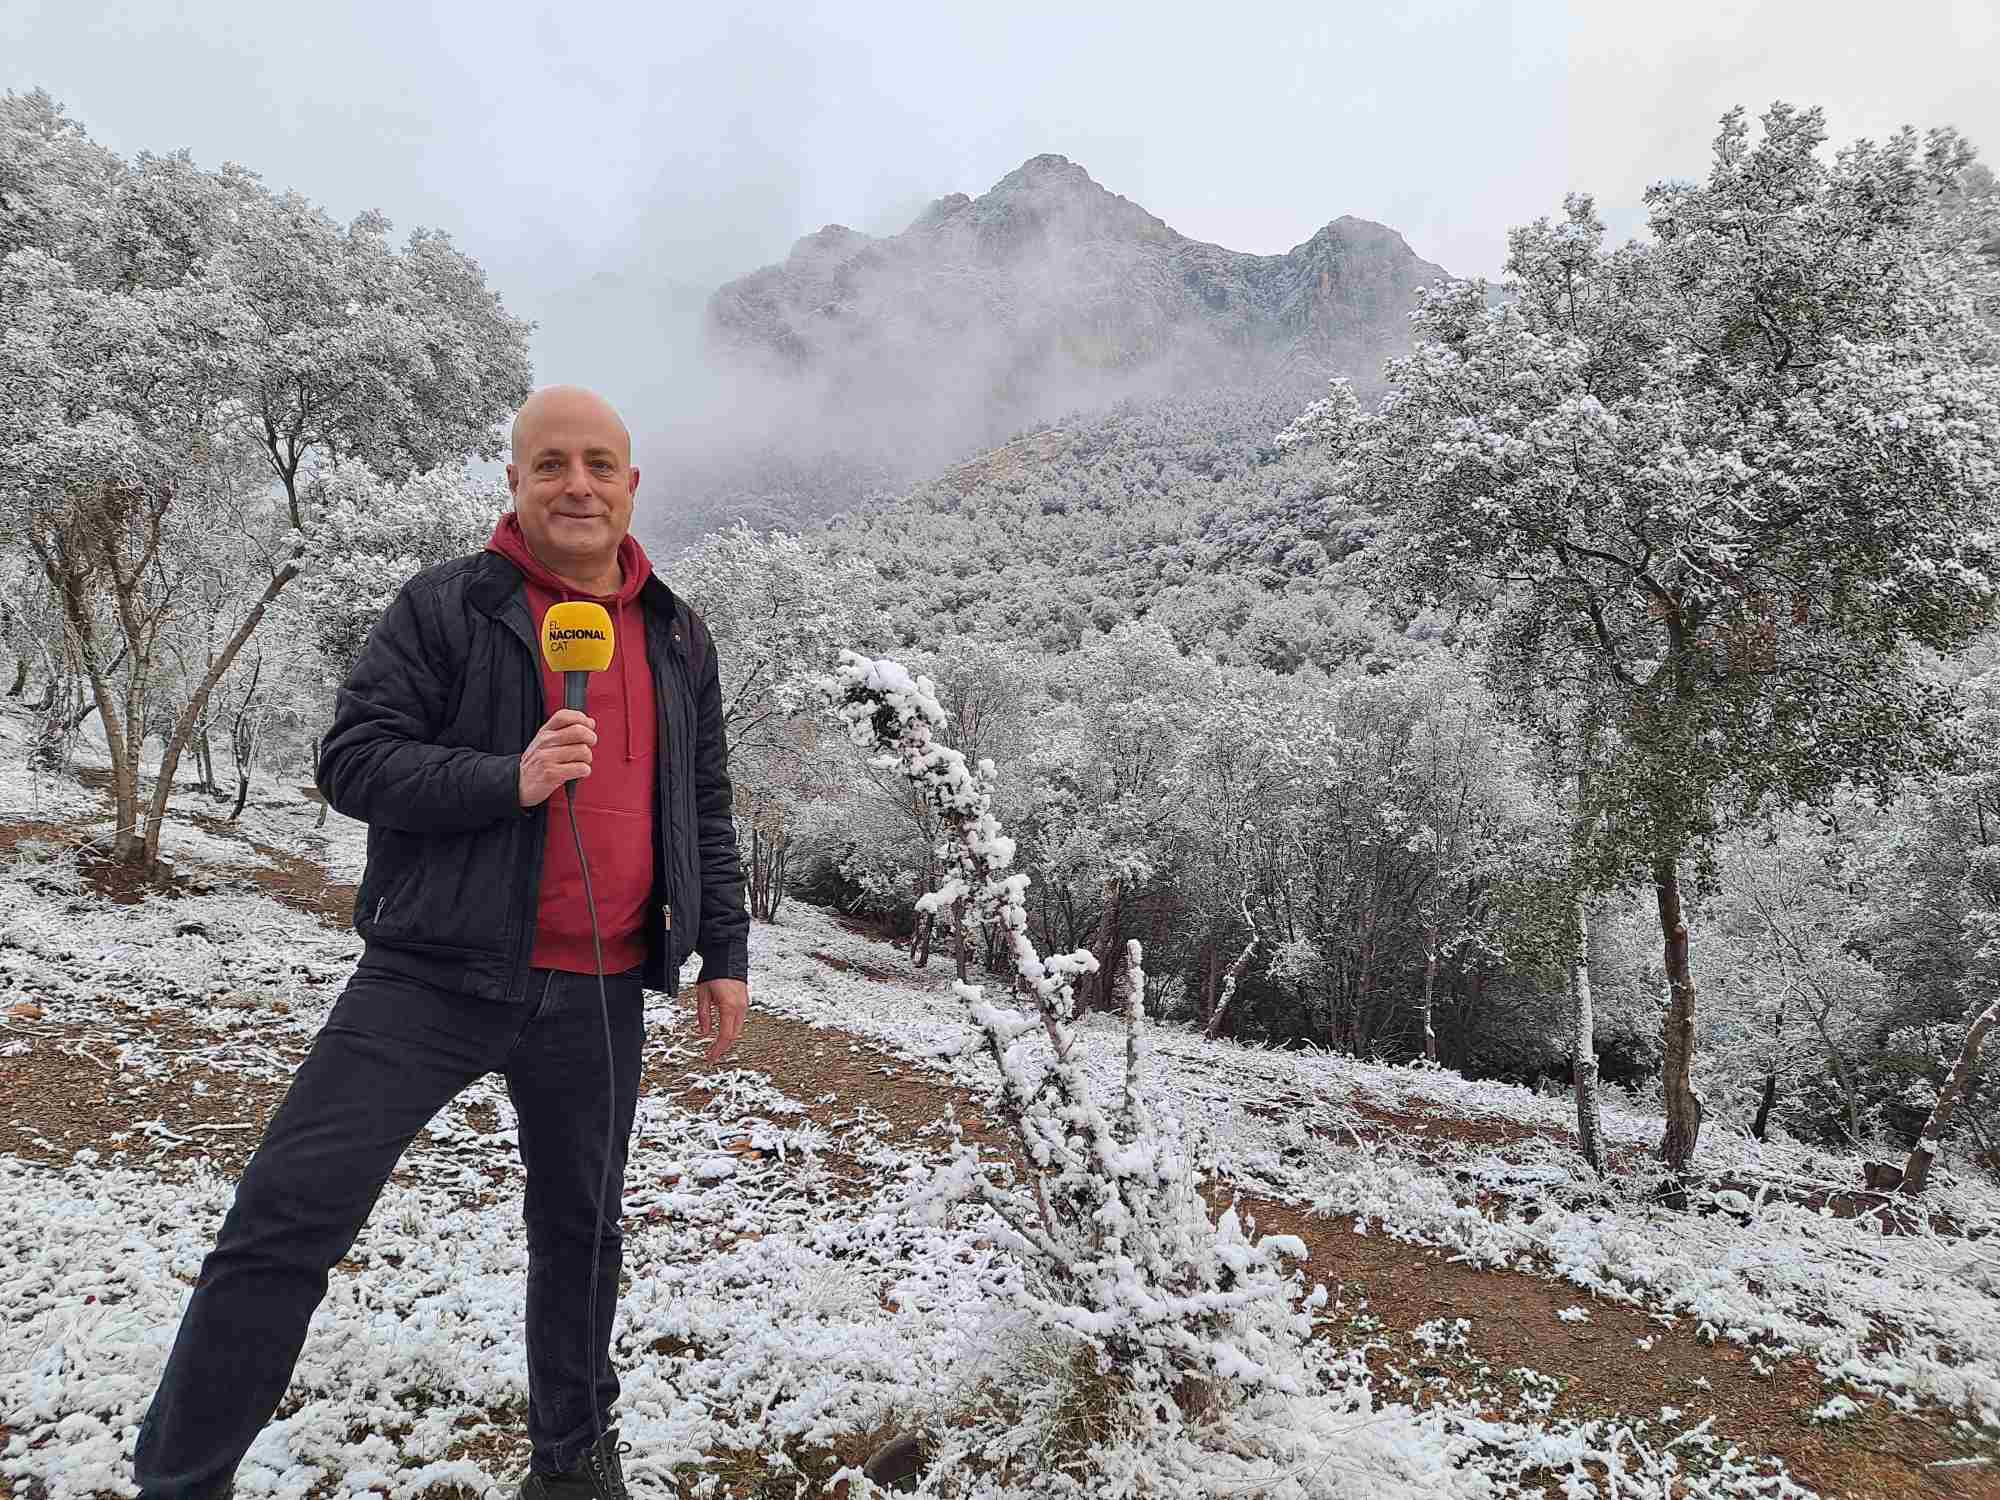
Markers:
{"x": 560, "y": 753}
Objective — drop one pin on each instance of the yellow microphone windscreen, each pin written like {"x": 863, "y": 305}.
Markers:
{"x": 576, "y": 637}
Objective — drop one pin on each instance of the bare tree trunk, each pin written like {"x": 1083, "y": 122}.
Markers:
{"x": 156, "y": 815}
{"x": 1220, "y": 1014}
{"x": 121, "y": 736}
{"x": 1769, "y": 1095}
{"x": 1364, "y": 988}
{"x": 1917, "y": 1170}
{"x": 243, "y": 741}
{"x": 1850, "y": 1099}
{"x": 1475, "y": 1011}
{"x": 1683, "y": 1108}
{"x": 320, "y": 821}
{"x": 1102, "y": 993}
{"x": 1430, "y": 989}
{"x": 1583, "y": 1047}
{"x": 961, "y": 951}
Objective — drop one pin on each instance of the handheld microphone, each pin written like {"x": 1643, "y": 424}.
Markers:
{"x": 576, "y": 641}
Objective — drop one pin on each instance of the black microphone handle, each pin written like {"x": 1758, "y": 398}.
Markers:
{"x": 575, "y": 686}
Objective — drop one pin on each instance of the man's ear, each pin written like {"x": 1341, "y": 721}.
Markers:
{"x": 632, "y": 480}
{"x": 513, "y": 481}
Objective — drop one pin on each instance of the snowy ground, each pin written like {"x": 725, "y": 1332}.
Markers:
{"x": 1912, "y": 1315}
{"x": 778, "y": 1302}
{"x": 279, "y": 814}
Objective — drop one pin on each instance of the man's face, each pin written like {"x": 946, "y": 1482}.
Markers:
{"x": 572, "y": 479}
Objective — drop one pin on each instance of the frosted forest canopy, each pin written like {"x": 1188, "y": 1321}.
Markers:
{"x": 1657, "y": 574}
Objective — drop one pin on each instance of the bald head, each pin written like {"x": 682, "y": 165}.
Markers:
{"x": 567, "y": 406}
{"x": 572, "y": 480}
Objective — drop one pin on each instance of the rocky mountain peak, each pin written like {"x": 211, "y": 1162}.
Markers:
{"x": 1048, "y": 293}
{"x": 834, "y": 242}
{"x": 1048, "y": 167}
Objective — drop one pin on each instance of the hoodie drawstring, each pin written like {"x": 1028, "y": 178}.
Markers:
{"x": 625, "y": 680}
{"x": 624, "y": 676}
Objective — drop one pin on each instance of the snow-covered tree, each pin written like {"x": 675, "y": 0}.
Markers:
{"x": 1796, "y": 1008}
{"x": 184, "y": 350}
{"x": 1742, "y": 470}
{"x": 368, "y": 537}
{"x": 1119, "y": 785}
{"x": 1930, "y": 891}
{"x": 776, "y": 610}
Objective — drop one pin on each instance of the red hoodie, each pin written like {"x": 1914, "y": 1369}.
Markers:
{"x": 614, "y": 803}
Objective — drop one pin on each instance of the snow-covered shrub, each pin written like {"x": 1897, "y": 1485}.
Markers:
{"x": 1168, "y": 1317}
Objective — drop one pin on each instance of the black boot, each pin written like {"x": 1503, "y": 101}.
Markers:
{"x": 597, "y": 1476}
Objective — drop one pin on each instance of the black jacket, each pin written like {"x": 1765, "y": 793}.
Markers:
{"x": 425, "y": 748}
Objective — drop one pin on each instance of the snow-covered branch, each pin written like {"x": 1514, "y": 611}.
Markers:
{"x": 1123, "y": 1255}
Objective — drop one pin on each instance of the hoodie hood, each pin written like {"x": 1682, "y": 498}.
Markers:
{"x": 512, "y": 543}
{"x": 634, "y": 569}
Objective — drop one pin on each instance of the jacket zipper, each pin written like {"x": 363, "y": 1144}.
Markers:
{"x": 667, "y": 845}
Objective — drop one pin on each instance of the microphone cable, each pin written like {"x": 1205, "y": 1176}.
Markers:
{"x": 610, "y": 1112}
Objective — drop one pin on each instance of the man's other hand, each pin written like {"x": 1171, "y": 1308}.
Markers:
{"x": 559, "y": 752}
{"x": 720, "y": 1006}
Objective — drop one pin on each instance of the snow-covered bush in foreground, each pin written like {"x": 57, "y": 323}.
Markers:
{"x": 1179, "y": 1318}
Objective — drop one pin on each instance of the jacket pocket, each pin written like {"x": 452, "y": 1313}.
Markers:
{"x": 443, "y": 893}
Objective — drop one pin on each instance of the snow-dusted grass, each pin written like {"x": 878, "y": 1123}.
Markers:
{"x": 26, "y": 792}
{"x": 278, "y": 813}
{"x": 781, "y": 1297}
{"x": 1915, "y": 1316}
{"x": 771, "y": 1301}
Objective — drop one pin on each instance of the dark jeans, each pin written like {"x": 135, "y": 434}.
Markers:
{"x": 393, "y": 1052}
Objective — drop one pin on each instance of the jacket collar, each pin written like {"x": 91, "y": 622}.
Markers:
{"x": 498, "y": 589}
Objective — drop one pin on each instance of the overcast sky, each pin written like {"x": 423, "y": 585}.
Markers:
{"x": 674, "y": 145}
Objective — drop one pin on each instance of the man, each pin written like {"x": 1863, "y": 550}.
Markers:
{"x": 478, "y": 953}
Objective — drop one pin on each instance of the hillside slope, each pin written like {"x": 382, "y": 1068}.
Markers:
{"x": 1177, "y": 510}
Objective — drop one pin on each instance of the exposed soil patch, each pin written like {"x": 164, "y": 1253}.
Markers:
{"x": 866, "y": 970}
{"x": 1892, "y": 1212}
{"x": 875, "y": 929}
{"x": 62, "y": 835}
{"x": 1513, "y": 1315}
{"x": 1411, "y": 1125}
{"x": 290, "y": 879}
{"x": 126, "y": 883}
{"x": 68, "y": 1094}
